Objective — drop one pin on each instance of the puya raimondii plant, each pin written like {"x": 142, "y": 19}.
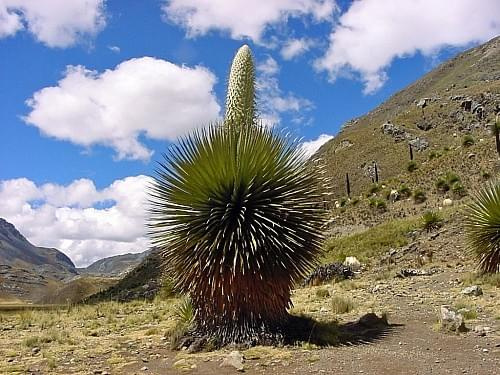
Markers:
{"x": 236, "y": 210}
{"x": 482, "y": 224}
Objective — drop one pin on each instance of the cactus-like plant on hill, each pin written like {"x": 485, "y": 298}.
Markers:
{"x": 237, "y": 213}
{"x": 483, "y": 227}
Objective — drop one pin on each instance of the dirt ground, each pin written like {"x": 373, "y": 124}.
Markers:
{"x": 132, "y": 338}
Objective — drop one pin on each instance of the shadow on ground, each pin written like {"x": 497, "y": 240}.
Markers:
{"x": 366, "y": 330}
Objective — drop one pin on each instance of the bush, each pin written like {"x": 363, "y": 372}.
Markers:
{"x": 482, "y": 224}
{"x": 419, "y": 196}
{"x": 431, "y": 220}
{"x": 442, "y": 185}
{"x": 377, "y": 203}
{"x": 322, "y": 293}
{"x": 404, "y": 191}
{"x": 467, "y": 141}
{"x": 354, "y": 201}
{"x": 452, "y": 177}
{"x": 342, "y": 305}
{"x": 458, "y": 190}
{"x": 411, "y": 166}
{"x": 374, "y": 188}
{"x": 434, "y": 155}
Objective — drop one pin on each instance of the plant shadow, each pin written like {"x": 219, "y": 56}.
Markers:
{"x": 367, "y": 329}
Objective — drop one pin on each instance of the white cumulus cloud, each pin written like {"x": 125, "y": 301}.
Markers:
{"x": 372, "y": 33}
{"x": 56, "y": 23}
{"x": 295, "y": 47}
{"x": 272, "y": 100}
{"x": 242, "y": 18}
{"x": 142, "y": 96}
{"x": 310, "y": 147}
{"x": 84, "y": 222}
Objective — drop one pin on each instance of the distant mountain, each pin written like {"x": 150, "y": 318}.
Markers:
{"x": 25, "y": 267}
{"x": 143, "y": 282}
{"x": 114, "y": 266}
{"x": 16, "y": 250}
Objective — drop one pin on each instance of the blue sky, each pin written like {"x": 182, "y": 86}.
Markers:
{"x": 93, "y": 91}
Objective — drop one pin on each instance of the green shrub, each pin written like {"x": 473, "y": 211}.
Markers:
{"x": 411, "y": 166}
{"x": 322, "y": 293}
{"x": 458, "y": 190}
{"x": 434, "y": 155}
{"x": 442, "y": 185}
{"x": 377, "y": 203}
{"x": 342, "y": 305}
{"x": 482, "y": 224}
{"x": 467, "y": 141}
{"x": 374, "y": 188}
{"x": 431, "y": 220}
{"x": 452, "y": 177}
{"x": 419, "y": 196}
{"x": 404, "y": 191}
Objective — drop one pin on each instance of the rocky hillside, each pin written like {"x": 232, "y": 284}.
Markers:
{"x": 26, "y": 268}
{"x": 115, "y": 266}
{"x": 143, "y": 282}
{"x": 451, "y": 107}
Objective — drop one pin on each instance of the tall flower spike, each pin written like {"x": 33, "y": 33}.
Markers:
{"x": 240, "y": 100}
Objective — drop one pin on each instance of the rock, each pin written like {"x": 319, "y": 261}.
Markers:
{"x": 35, "y": 350}
{"x": 233, "y": 359}
{"x": 394, "y": 195}
{"x": 144, "y": 368}
{"x": 395, "y": 132}
{"x": 447, "y": 202}
{"x": 327, "y": 272}
{"x": 419, "y": 144}
{"x": 353, "y": 263}
{"x": 343, "y": 145}
{"x": 451, "y": 320}
{"x": 474, "y": 290}
{"x": 371, "y": 320}
{"x": 471, "y": 155}
{"x": 424, "y": 125}
{"x": 422, "y": 103}
{"x": 408, "y": 272}
{"x": 482, "y": 330}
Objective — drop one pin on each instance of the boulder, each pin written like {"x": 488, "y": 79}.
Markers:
{"x": 353, "y": 263}
{"x": 419, "y": 144}
{"x": 451, "y": 320}
{"x": 447, "y": 202}
{"x": 474, "y": 290}
{"x": 422, "y": 103}
{"x": 394, "y": 195}
{"x": 233, "y": 359}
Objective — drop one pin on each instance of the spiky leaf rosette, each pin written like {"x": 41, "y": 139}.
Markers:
{"x": 238, "y": 216}
{"x": 483, "y": 227}
{"x": 240, "y": 98}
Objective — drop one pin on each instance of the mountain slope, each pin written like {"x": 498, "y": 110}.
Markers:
{"x": 16, "y": 250}
{"x": 114, "y": 266}
{"x": 460, "y": 97}
{"x": 143, "y": 282}
{"x": 27, "y": 270}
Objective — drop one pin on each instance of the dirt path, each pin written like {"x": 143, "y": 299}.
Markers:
{"x": 413, "y": 345}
